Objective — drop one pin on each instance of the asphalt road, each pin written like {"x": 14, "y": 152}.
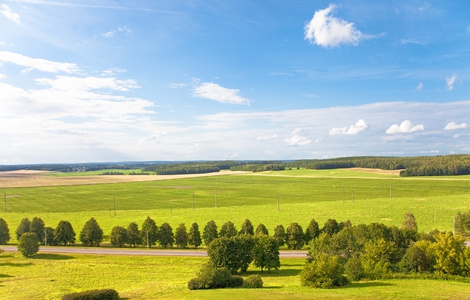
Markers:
{"x": 139, "y": 252}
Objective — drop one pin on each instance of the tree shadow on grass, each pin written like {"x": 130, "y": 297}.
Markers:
{"x": 9, "y": 264}
{"x": 274, "y": 273}
{"x": 5, "y": 276}
{"x": 50, "y": 256}
{"x": 367, "y": 284}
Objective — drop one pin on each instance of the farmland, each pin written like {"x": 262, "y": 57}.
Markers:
{"x": 271, "y": 198}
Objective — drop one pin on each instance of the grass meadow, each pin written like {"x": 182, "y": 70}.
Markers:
{"x": 270, "y": 198}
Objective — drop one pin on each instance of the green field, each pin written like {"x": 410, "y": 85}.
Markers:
{"x": 360, "y": 197}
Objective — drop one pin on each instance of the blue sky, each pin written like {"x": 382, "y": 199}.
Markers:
{"x": 91, "y": 81}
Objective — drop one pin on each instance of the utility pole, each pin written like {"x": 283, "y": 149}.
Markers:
{"x": 193, "y": 199}
{"x": 343, "y": 193}
{"x": 45, "y": 237}
{"x": 114, "y": 206}
{"x": 277, "y": 201}
{"x": 215, "y": 199}
{"x": 390, "y": 189}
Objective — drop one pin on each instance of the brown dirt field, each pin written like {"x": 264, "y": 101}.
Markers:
{"x": 26, "y": 178}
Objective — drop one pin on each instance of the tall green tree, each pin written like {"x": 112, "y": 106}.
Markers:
{"x": 64, "y": 233}
{"x": 331, "y": 227}
{"x": 181, "y": 236}
{"x": 37, "y": 227}
{"x": 133, "y": 234}
{"x": 447, "y": 251}
{"x": 210, "y": 232}
{"x": 312, "y": 231}
{"x": 165, "y": 236}
{"x": 49, "y": 238}
{"x": 228, "y": 230}
{"x": 280, "y": 235}
{"x": 4, "y": 232}
{"x": 25, "y": 226}
{"x": 247, "y": 228}
{"x": 91, "y": 234}
{"x": 194, "y": 236}
{"x": 234, "y": 253}
{"x": 149, "y": 232}
{"x": 295, "y": 236}
{"x": 266, "y": 253}
{"x": 261, "y": 230}
{"x": 28, "y": 244}
{"x": 119, "y": 236}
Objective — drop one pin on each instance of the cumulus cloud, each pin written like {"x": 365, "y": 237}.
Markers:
{"x": 328, "y": 31}
{"x": 405, "y": 127}
{"x": 420, "y": 86}
{"x": 6, "y": 11}
{"x": 37, "y": 63}
{"x": 454, "y": 126}
{"x": 220, "y": 94}
{"x": 360, "y": 125}
{"x": 450, "y": 81}
{"x": 297, "y": 138}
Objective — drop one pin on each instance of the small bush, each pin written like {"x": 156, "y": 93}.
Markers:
{"x": 106, "y": 294}
{"x": 210, "y": 277}
{"x": 353, "y": 269}
{"x": 323, "y": 272}
{"x": 194, "y": 284}
{"x": 253, "y": 282}
{"x": 236, "y": 281}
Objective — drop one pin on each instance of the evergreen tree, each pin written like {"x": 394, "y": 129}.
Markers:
{"x": 37, "y": 227}
{"x": 4, "y": 232}
{"x": 133, "y": 234}
{"x": 149, "y": 232}
{"x": 228, "y": 230}
{"x": 25, "y": 226}
{"x": 91, "y": 234}
{"x": 119, "y": 236}
{"x": 280, "y": 235}
{"x": 194, "y": 235}
{"x": 181, "y": 236}
{"x": 166, "y": 236}
{"x": 295, "y": 236}
{"x": 312, "y": 231}
{"x": 247, "y": 228}
{"x": 210, "y": 232}
{"x": 261, "y": 230}
{"x": 64, "y": 233}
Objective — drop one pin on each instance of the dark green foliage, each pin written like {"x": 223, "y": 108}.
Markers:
{"x": 331, "y": 227}
{"x": 212, "y": 277}
{"x": 247, "y": 228}
{"x": 353, "y": 269}
{"x": 64, "y": 233}
{"x": 49, "y": 238}
{"x": 4, "y": 232}
{"x": 194, "y": 236}
{"x": 25, "y": 226}
{"x": 119, "y": 236}
{"x": 253, "y": 282}
{"x": 133, "y": 234}
{"x": 185, "y": 168}
{"x": 280, "y": 235}
{"x": 149, "y": 232}
{"x": 228, "y": 230}
{"x": 181, "y": 236}
{"x": 28, "y": 244}
{"x": 236, "y": 281}
{"x": 323, "y": 272}
{"x": 235, "y": 253}
{"x": 462, "y": 223}
{"x": 266, "y": 253}
{"x": 37, "y": 227}
{"x": 165, "y": 236}
{"x": 312, "y": 231}
{"x": 210, "y": 232}
{"x": 91, "y": 234}
{"x": 415, "y": 260}
{"x": 105, "y": 294}
{"x": 295, "y": 236}
{"x": 261, "y": 230}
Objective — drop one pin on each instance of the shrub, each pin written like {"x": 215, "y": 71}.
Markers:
{"x": 211, "y": 277}
{"x": 323, "y": 272}
{"x": 28, "y": 244}
{"x": 236, "y": 281}
{"x": 253, "y": 282}
{"x": 106, "y": 294}
{"x": 353, "y": 269}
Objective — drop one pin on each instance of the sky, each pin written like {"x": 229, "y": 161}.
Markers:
{"x": 107, "y": 81}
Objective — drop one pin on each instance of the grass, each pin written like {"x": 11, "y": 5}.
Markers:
{"x": 49, "y": 276}
{"x": 97, "y": 172}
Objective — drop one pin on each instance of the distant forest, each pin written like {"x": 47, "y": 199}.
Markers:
{"x": 409, "y": 166}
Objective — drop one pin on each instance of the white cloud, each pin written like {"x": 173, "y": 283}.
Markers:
{"x": 450, "y": 81}
{"x": 68, "y": 83}
{"x": 111, "y": 33}
{"x": 328, "y": 31}
{"x": 297, "y": 138}
{"x": 267, "y": 137}
{"x": 37, "y": 63}
{"x": 218, "y": 93}
{"x": 360, "y": 125}
{"x": 6, "y": 11}
{"x": 420, "y": 86}
{"x": 454, "y": 126}
{"x": 405, "y": 127}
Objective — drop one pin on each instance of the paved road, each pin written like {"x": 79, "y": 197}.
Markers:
{"x": 139, "y": 252}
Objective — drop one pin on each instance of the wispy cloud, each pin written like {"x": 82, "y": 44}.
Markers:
{"x": 267, "y": 137}
{"x": 124, "y": 30}
{"x": 297, "y": 138}
{"x": 328, "y": 31}
{"x": 454, "y": 126}
{"x": 37, "y": 63}
{"x": 220, "y": 94}
{"x": 360, "y": 125}
{"x": 420, "y": 86}
{"x": 450, "y": 81}
{"x": 6, "y": 11}
{"x": 405, "y": 127}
